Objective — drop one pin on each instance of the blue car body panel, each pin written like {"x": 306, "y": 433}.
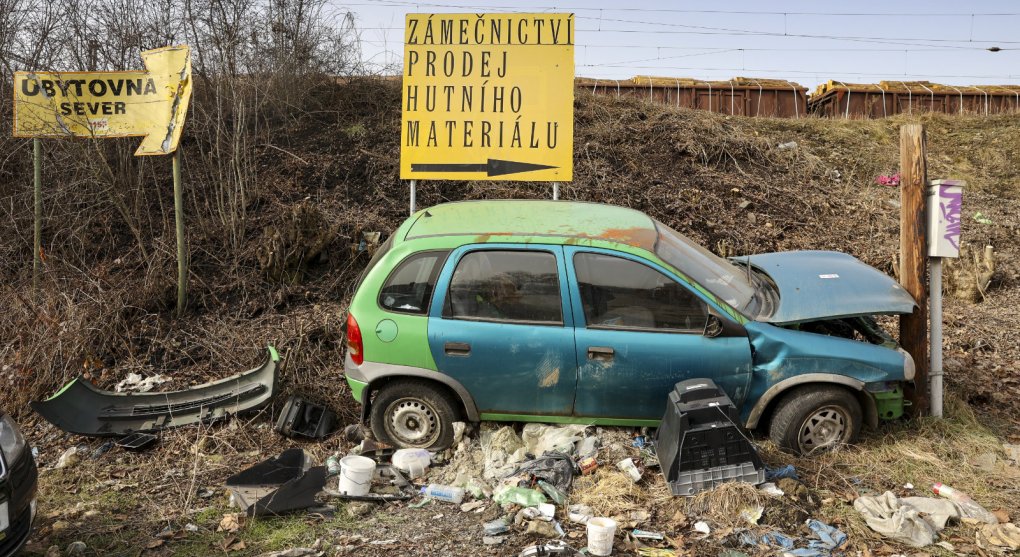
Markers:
{"x": 828, "y": 285}
{"x": 646, "y": 364}
{"x": 511, "y": 367}
{"x": 781, "y": 354}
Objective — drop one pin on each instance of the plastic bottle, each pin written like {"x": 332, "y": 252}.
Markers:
{"x": 446, "y": 493}
{"x": 969, "y": 508}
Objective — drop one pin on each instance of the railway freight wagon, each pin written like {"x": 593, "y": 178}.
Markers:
{"x": 837, "y": 99}
{"x": 740, "y": 96}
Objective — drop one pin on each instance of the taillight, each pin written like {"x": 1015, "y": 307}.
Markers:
{"x": 355, "y": 347}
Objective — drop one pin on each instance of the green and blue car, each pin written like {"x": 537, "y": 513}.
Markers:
{"x": 568, "y": 312}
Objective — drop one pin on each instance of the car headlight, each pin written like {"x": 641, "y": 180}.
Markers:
{"x": 12, "y": 442}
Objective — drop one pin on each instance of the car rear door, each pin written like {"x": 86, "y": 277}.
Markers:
{"x": 639, "y": 331}
{"x": 500, "y": 324}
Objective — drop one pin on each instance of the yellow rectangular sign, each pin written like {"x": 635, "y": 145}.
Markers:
{"x": 488, "y": 97}
{"x": 151, "y": 102}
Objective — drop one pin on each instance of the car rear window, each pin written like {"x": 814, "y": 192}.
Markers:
{"x": 409, "y": 287}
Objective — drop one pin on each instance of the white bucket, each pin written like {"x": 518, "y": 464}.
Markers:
{"x": 414, "y": 462}
{"x": 600, "y": 535}
{"x": 356, "y": 474}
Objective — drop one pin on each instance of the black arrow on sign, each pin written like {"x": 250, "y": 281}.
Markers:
{"x": 494, "y": 167}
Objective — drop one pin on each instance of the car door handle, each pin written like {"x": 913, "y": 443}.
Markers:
{"x": 457, "y": 348}
{"x": 600, "y": 353}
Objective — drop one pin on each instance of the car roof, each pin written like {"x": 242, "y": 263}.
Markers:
{"x": 560, "y": 221}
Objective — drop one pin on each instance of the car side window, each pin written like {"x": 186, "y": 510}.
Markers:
{"x": 506, "y": 285}
{"x": 618, "y": 293}
{"x": 409, "y": 287}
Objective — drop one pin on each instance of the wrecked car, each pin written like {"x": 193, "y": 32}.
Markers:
{"x": 567, "y": 312}
{"x": 18, "y": 482}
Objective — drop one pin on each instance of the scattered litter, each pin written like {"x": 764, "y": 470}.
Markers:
{"x": 555, "y": 548}
{"x": 231, "y": 522}
{"x": 601, "y": 532}
{"x": 542, "y": 438}
{"x": 969, "y": 508}
{"x": 769, "y": 488}
{"x": 302, "y": 418}
{"x": 420, "y": 504}
{"x": 999, "y": 537}
{"x": 829, "y": 537}
{"x": 519, "y": 496}
{"x": 655, "y": 552}
{"x": 558, "y": 496}
{"x": 646, "y": 535}
{"x": 771, "y": 539}
{"x": 543, "y": 528}
{"x": 496, "y": 527}
{"x": 702, "y": 526}
{"x": 979, "y": 218}
{"x": 886, "y": 180}
{"x": 414, "y": 462}
{"x": 502, "y": 450}
{"x": 102, "y": 449}
{"x": 627, "y": 466}
{"x": 468, "y": 507}
{"x": 908, "y": 486}
{"x": 135, "y": 383}
{"x": 752, "y": 515}
{"x": 356, "y": 475}
{"x": 587, "y": 465}
{"x": 580, "y": 513}
{"x": 547, "y": 510}
{"x": 787, "y": 145}
{"x": 444, "y": 493}
{"x": 787, "y": 471}
{"x": 902, "y": 520}
{"x": 278, "y": 485}
{"x": 70, "y": 457}
{"x": 587, "y": 447}
{"x": 493, "y": 540}
{"x": 554, "y": 468}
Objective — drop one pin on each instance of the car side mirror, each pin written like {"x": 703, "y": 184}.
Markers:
{"x": 713, "y": 326}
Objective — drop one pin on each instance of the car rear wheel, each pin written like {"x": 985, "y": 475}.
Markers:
{"x": 413, "y": 414}
{"x": 813, "y": 418}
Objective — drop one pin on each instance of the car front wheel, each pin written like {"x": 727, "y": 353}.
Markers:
{"x": 813, "y": 418}
{"x": 413, "y": 414}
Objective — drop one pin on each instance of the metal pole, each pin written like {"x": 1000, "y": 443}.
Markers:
{"x": 935, "y": 335}
{"x": 182, "y": 263}
{"x": 414, "y": 195}
{"x": 37, "y": 244}
{"x": 556, "y": 191}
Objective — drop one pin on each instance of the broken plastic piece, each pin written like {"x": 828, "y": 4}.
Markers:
{"x": 303, "y": 418}
{"x": 137, "y": 441}
{"x": 278, "y": 485}
{"x": 83, "y": 409}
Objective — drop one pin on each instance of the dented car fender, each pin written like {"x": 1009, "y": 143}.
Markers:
{"x": 786, "y": 358}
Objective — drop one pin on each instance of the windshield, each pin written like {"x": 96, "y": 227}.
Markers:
{"x": 728, "y": 282}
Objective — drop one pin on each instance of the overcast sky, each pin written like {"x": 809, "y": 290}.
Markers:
{"x": 808, "y": 42}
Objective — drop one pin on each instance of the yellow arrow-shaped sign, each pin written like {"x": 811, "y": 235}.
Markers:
{"x": 150, "y": 103}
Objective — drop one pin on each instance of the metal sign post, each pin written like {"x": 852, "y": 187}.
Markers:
{"x": 182, "y": 255}
{"x": 37, "y": 224}
{"x": 556, "y": 191}
{"x": 945, "y": 211}
{"x": 414, "y": 196}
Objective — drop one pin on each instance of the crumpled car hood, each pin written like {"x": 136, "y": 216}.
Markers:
{"x": 817, "y": 285}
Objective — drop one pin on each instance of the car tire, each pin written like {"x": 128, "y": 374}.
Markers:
{"x": 414, "y": 415}
{"x": 812, "y": 419}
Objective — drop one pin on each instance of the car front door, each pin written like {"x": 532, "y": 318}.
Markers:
{"x": 500, "y": 324}
{"x": 639, "y": 331}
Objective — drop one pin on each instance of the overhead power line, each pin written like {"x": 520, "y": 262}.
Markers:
{"x": 475, "y": 8}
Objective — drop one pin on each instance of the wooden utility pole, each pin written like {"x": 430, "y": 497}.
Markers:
{"x": 913, "y": 229}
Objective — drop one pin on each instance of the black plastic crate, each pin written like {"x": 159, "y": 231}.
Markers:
{"x": 700, "y": 443}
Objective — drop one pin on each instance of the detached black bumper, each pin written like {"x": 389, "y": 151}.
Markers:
{"x": 17, "y": 491}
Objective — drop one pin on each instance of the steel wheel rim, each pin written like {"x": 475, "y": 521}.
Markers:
{"x": 823, "y": 429}
{"x": 412, "y": 422}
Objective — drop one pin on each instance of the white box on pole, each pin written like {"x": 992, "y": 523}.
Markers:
{"x": 945, "y": 216}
